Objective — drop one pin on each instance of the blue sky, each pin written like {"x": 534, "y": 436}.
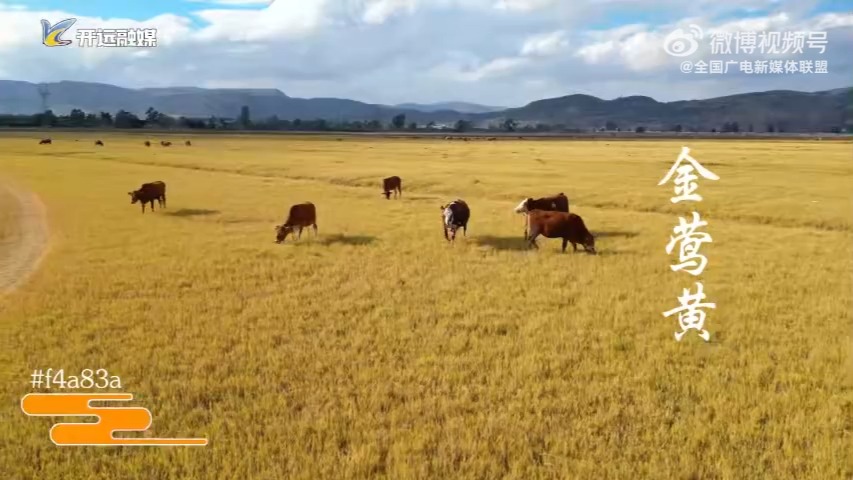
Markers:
{"x": 133, "y": 9}
{"x": 143, "y": 9}
{"x": 496, "y": 52}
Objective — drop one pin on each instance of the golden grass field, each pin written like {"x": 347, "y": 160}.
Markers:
{"x": 377, "y": 350}
{"x": 8, "y": 217}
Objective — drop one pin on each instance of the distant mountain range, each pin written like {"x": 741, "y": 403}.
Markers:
{"x": 790, "y": 111}
{"x": 461, "y": 107}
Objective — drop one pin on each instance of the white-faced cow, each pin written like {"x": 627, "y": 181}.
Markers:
{"x": 556, "y": 203}
{"x": 300, "y": 216}
{"x": 392, "y": 184}
{"x": 568, "y": 226}
{"x": 148, "y": 193}
{"x": 455, "y": 215}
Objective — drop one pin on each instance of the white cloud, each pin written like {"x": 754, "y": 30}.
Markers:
{"x": 633, "y": 46}
{"x": 523, "y": 5}
{"x": 757, "y": 24}
{"x": 619, "y": 33}
{"x": 279, "y": 21}
{"x": 378, "y": 11}
{"x": 545, "y": 44}
{"x": 491, "y": 69}
{"x": 535, "y": 46}
{"x": 834, "y": 20}
{"x": 498, "y": 66}
{"x": 597, "y": 53}
{"x": 644, "y": 51}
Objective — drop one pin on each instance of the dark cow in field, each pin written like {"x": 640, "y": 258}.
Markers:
{"x": 455, "y": 215}
{"x": 165, "y": 143}
{"x": 568, "y": 226}
{"x": 99, "y": 143}
{"x": 147, "y": 143}
{"x": 392, "y": 184}
{"x": 148, "y": 193}
{"x": 188, "y": 143}
{"x": 300, "y": 216}
{"x": 556, "y": 203}
{"x": 45, "y": 141}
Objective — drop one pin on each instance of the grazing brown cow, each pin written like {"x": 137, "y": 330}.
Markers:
{"x": 392, "y": 184}
{"x": 147, "y": 143}
{"x": 99, "y": 143}
{"x": 568, "y": 226}
{"x": 300, "y": 216}
{"x": 556, "y": 203}
{"x": 45, "y": 141}
{"x": 188, "y": 143}
{"x": 453, "y": 216}
{"x": 165, "y": 143}
{"x": 148, "y": 193}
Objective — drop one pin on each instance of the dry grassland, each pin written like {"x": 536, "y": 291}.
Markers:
{"x": 377, "y": 350}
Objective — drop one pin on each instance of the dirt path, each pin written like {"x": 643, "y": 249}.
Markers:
{"x": 26, "y": 241}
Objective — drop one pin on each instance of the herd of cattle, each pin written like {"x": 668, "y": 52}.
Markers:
{"x": 547, "y": 216}
{"x": 100, "y": 143}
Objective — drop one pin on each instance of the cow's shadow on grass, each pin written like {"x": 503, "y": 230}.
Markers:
{"x": 192, "y": 212}
{"x": 502, "y": 243}
{"x": 614, "y": 234}
{"x": 413, "y": 196}
{"x": 336, "y": 239}
{"x": 519, "y": 244}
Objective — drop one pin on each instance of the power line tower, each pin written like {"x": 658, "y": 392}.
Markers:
{"x": 44, "y": 92}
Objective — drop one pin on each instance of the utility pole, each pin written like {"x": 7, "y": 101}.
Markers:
{"x": 44, "y": 92}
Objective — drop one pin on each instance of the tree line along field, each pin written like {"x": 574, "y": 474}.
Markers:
{"x": 378, "y": 350}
